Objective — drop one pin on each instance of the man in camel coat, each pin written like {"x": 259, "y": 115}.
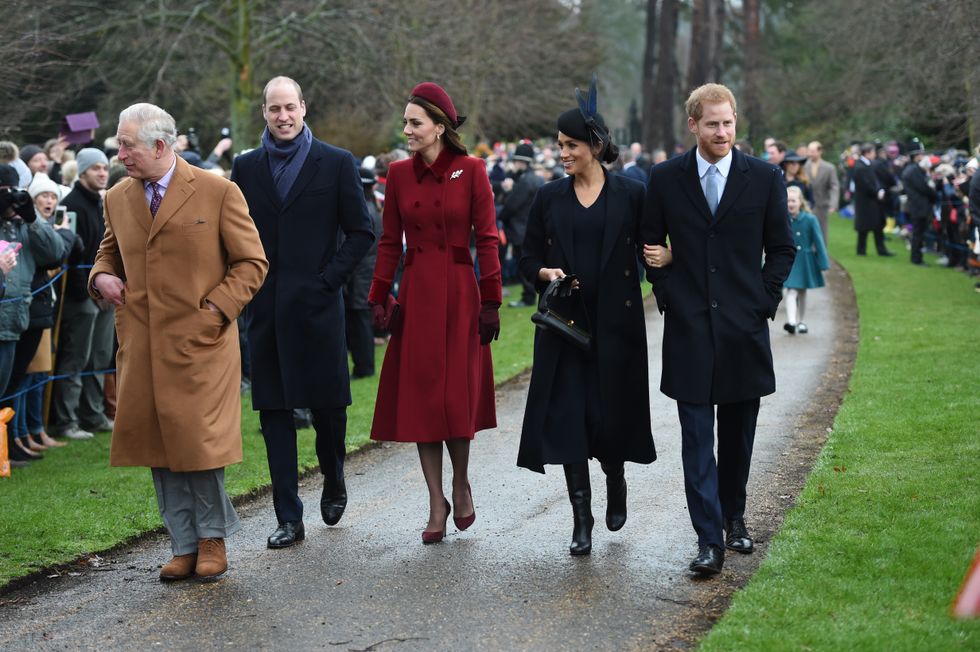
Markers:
{"x": 180, "y": 259}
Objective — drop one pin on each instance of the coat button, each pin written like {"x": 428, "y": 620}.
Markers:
{"x": 438, "y": 203}
{"x": 442, "y": 247}
{"x": 629, "y": 239}
{"x": 627, "y": 272}
{"x": 549, "y": 241}
{"x": 438, "y": 227}
{"x": 629, "y": 302}
{"x": 417, "y": 204}
{"x": 711, "y": 234}
{"x": 439, "y": 180}
{"x": 713, "y": 269}
{"x": 418, "y": 227}
{"x": 799, "y": 248}
{"x": 714, "y": 304}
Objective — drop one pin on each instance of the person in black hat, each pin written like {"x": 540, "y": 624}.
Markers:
{"x": 922, "y": 196}
{"x": 795, "y": 175}
{"x": 513, "y": 215}
{"x": 591, "y": 403}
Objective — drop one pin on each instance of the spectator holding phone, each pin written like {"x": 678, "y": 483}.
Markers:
{"x": 36, "y": 243}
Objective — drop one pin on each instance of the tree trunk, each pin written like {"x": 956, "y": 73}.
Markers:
{"x": 752, "y": 102}
{"x": 717, "y": 13}
{"x": 697, "y": 68}
{"x": 666, "y": 76}
{"x": 649, "y": 128}
{"x": 244, "y": 97}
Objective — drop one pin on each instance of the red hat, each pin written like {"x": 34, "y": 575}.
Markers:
{"x": 435, "y": 94}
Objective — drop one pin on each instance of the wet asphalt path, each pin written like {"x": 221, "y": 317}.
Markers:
{"x": 507, "y": 583}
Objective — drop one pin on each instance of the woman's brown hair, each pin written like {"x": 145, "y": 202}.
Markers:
{"x": 450, "y": 136}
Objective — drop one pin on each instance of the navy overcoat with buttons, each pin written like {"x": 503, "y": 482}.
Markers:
{"x": 296, "y": 321}
{"x": 619, "y": 333}
{"x": 725, "y": 280}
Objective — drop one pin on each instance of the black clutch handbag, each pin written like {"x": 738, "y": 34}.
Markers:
{"x": 548, "y": 318}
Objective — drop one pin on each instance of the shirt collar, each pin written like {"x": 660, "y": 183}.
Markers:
{"x": 724, "y": 165}
{"x": 164, "y": 181}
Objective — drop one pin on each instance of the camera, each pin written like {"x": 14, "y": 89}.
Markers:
{"x": 193, "y": 141}
{"x": 19, "y": 200}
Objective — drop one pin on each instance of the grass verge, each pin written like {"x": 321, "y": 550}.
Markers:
{"x": 873, "y": 553}
{"x": 72, "y": 502}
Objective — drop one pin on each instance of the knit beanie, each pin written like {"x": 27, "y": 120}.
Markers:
{"x": 43, "y": 183}
{"x": 28, "y": 152}
{"x": 89, "y": 157}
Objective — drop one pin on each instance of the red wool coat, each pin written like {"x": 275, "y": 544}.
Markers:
{"x": 437, "y": 380}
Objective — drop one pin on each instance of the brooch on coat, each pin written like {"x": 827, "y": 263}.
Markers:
{"x": 455, "y": 175}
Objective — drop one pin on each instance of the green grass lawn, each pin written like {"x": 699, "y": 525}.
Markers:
{"x": 72, "y": 502}
{"x": 873, "y": 553}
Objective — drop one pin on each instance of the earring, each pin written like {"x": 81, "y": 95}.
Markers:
{"x": 438, "y": 136}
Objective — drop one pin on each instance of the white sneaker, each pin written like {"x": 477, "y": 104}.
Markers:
{"x": 77, "y": 433}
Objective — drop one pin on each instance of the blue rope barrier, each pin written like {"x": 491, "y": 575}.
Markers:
{"x": 44, "y": 287}
{"x": 49, "y": 379}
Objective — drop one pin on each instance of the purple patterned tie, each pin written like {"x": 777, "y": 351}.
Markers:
{"x": 155, "y": 199}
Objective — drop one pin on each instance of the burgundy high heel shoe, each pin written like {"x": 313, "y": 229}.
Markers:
{"x": 438, "y": 535}
{"x": 463, "y": 522}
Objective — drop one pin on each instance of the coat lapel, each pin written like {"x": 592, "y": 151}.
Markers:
{"x": 264, "y": 174}
{"x": 178, "y": 193}
{"x": 616, "y": 211}
{"x": 306, "y": 174}
{"x": 138, "y": 208}
{"x": 738, "y": 180}
{"x": 691, "y": 184}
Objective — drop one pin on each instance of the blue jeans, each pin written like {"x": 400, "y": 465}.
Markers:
{"x": 34, "y": 403}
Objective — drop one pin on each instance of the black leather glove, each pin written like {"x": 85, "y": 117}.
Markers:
{"x": 489, "y": 322}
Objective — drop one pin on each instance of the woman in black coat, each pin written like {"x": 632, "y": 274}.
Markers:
{"x": 594, "y": 403}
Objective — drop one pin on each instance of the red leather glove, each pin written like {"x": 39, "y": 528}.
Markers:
{"x": 382, "y": 316}
{"x": 489, "y": 322}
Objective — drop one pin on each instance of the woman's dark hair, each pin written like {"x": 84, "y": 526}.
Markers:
{"x": 450, "y": 137}
{"x": 610, "y": 153}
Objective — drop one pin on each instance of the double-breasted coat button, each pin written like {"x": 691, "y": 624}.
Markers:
{"x": 629, "y": 239}
{"x": 627, "y": 272}
{"x": 418, "y": 227}
{"x": 439, "y": 180}
{"x": 629, "y": 302}
{"x": 417, "y": 204}
{"x": 799, "y": 248}
{"x": 438, "y": 203}
{"x": 438, "y": 227}
{"x": 713, "y": 269}
{"x": 711, "y": 234}
{"x": 549, "y": 241}
{"x": 714, "y": 304}
{"x": 442, "y": 247}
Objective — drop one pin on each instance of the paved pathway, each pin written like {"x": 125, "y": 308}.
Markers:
{"x": 507, "y": 583}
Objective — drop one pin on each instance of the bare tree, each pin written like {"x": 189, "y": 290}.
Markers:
{"x": 666, "y": 83}
{"x": 650, "y": 127}
{"x": 751, "y": 100}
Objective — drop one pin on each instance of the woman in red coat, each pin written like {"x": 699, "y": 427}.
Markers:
{"x": 437, "y": 378}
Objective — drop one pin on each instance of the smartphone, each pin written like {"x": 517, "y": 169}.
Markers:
{"x": 59, "y": 215}
{"x": 6, "y": 247}
{"x": 71, "y": 221}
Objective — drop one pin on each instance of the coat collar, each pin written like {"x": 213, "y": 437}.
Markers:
{"x": 437, "y": 169}
{"x": 738, "y": 179}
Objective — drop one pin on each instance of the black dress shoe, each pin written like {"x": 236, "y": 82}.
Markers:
{"x": 886, "y": 253}
{"x": 709, "y": 561}
{"x": 287, "y": 534}
{"x": 333, "y": 501}
{"x": 738, "y": 538}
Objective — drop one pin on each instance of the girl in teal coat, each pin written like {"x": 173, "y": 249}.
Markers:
{"x": 811, "y": 260}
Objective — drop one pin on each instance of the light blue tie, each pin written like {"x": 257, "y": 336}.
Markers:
{"x": 711, "y": 188}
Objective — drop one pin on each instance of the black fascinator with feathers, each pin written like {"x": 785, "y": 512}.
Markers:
{"x": 587, "y": 124}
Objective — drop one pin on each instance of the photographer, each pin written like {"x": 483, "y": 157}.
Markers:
{"x": 39, "y": 245}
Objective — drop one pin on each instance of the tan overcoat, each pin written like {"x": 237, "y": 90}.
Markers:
{"x": 179, "y": 366}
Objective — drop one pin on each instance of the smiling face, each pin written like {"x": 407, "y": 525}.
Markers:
{"x": 421, "y": 131}
{"x": 283, "y": 111}
{"x": 95, "y": 177}
{"x": 793, "y": 200}
{"x": 38, "y": 163}
{"x": 715, "y": 131}
{"x": 576, "y": 155}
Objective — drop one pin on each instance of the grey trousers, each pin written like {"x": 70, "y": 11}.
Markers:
{"x": 193, "y": 506}
{"x": 84, "y": 344}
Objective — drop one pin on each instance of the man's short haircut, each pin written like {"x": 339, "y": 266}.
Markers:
{"x": 816, "y": 145}
{"x": 710, "y": 94}
{"x": 154, "y": 123}
{"x": 780, "y": 146}
{"x": 281, "y": 80}
{"x": 868, "y": 147}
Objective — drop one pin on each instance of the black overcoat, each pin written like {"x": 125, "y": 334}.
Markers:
{"x": 868, "y": 215}
{"x": 922, "y": 196}
{"x": 620, "y": 331}
{"x": 717, "y": 294}
{"x": 296, "y": 321}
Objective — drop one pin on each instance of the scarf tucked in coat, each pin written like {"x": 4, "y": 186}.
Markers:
{"x": 286, "y": 158}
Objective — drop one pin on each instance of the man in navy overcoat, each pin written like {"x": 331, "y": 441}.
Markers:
{"x": 725, "y": 216}
{"x": 301, "y": 192}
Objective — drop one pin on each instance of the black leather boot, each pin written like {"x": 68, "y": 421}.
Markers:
{"x": 580, "y": 495}
{"x": 615, "y": 495}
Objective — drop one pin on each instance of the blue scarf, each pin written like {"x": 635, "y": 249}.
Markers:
{"x": 286, "y": 158}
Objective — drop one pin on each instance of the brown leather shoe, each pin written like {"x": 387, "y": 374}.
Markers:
{"x": 212, "y": 562}
{"x": 179, "y": 568}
